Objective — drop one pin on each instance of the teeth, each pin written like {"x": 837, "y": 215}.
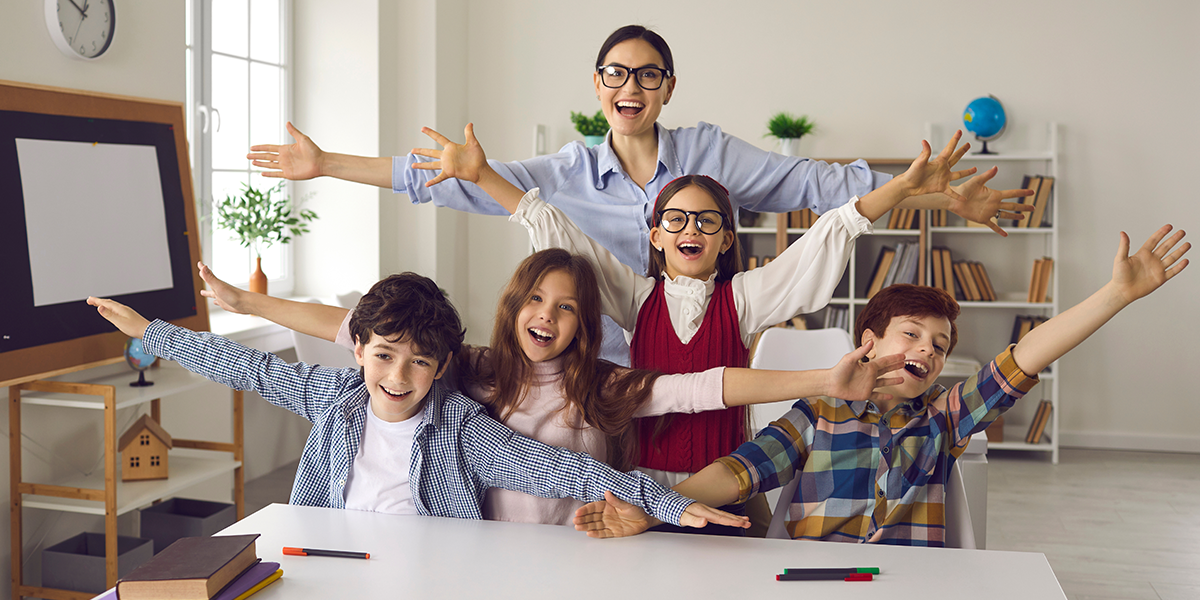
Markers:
{"x": 629, "y": 104}
{"x": 541, "y": 334}
{"x": 921, "y": 369}
{"x": 393, "y": 392}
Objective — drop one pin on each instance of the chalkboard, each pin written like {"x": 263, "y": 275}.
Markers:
{"x": 95, "y": 199}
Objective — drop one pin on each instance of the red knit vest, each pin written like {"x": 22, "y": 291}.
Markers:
{"x": 691, "y": 441}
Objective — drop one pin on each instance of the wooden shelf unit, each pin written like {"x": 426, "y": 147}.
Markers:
{"x": 191, "y": 461}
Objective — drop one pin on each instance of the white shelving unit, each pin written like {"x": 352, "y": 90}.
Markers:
{"x": 102, "y": 493}
{"x": 984, "y": 327}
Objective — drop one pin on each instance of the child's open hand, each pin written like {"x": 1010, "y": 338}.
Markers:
{"x": 1153, "y": 265}
{"x": 460, "y": 161}
{"x": 227, "y": 297}
{"x": 126, "y": 319}
{"x": 852, "y": 379}
{"x": 614, "y": 517}
{"x": 926, "y": 176}
{"x": 979, "y": 203}
{"x": 301, "y": 160}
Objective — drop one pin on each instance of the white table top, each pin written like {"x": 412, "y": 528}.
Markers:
{"x": 429, "y": 557}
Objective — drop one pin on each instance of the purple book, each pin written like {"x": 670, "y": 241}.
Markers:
{"x": 237, "y": 587}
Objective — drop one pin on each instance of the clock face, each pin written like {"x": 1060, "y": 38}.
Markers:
{"x": 81, "y": 28}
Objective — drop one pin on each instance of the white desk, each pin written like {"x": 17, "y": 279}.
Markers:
{"x": 427, "y": 557}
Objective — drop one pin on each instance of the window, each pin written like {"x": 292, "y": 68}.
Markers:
{"x": 144, "y": 440}
{"x": 239, "y": 93}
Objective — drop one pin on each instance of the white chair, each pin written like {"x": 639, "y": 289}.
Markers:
{"x": 798, "y": 350}
{"x": 316, "y": 351}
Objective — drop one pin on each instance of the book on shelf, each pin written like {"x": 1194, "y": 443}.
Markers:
{"x": 947, "y": 272}
{"x": 882, "y": 264}
{"x": 751, "y": 263}
{"x": 938, "y": 217}
{"x": 935, "y": 257}
{"x": 1038, "y": 427}
{"x": 983, "y": 281}
{"x": 801, "y": 219}
{"x": 766, "y": 260}
{"x": 1029, "y": 182}
{"x": 1039, "y": 280}
{"x": 902, "y": 218}
{"x": 966, "y": 281}
{"x": 1023, "y": 324}
{"x": 192, "y": 568}
{"x": 836, "y": 317}
{"x": 908, "y": 255}
{"x": 1041, "y": 204}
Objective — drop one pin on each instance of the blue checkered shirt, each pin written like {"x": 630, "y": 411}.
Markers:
{"x": 458, "y": 451}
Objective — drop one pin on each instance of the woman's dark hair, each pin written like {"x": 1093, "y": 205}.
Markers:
{"x": 605, "y": 395}
{"x": 730, "y": 262}
{"x": 630, "y": 32}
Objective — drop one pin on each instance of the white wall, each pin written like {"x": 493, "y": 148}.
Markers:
{"x": 1120, "y": 78}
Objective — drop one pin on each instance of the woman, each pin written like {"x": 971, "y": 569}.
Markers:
{"x": 609, "y": 189}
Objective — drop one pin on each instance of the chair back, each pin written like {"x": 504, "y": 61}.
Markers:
{"x": 795, "y": 350}
{"x": 316, "y": 351}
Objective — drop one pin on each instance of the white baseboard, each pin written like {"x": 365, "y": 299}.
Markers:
{"x": 1129, "y": 441}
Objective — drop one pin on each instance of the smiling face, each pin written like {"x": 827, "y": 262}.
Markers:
{"x": 924, "y": 342}
{"x": 547, "y": 323}
{"x": 690, "y": 252}
{"x": 630, "y": 110}
{"x": 398, "y": 377}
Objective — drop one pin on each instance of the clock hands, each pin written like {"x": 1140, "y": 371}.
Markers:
{"x": 82, "y": 11}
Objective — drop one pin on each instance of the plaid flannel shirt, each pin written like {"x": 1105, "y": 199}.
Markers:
{"x": 871, "y": 477}
{"x": 458, "y": 451}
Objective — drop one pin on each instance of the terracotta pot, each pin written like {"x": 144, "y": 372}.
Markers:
{"x": 258, "y": 279}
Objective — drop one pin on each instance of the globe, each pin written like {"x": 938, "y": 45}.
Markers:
{"x": 985, "y": 118}
{"x": 139, "y": 360}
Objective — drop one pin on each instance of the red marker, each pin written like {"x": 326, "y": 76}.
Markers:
{"x": 290, "y": 551}
{"x": 824, "y": 577}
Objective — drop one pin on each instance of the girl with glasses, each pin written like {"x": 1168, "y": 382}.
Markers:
{"x": 695, "y": 310}
{"x": 609, "y": 189}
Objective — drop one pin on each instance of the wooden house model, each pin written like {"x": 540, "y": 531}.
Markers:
{"x": 143, "y": 450}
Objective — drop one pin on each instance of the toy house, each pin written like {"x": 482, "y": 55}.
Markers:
{"x": 143, "y": 450}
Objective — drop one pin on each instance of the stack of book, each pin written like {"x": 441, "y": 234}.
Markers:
{"x": 1023, "y": 324}
{"x": 199, "y": 568}
{"x": 1038, "y": 426}
{"x": 937, "y": 217}
{"x": 973, "y": 281}
{"x": 837, "y": 316}
{"x": 754, "y": 262}
{"x": 894, "y": 265}
{"x": 802, "y": 219}
{"x": 1042, "y": 185}
{"x": 1039, "y": 281}
{"x": 903, "y": 218}
{"x": 943, "y": 271}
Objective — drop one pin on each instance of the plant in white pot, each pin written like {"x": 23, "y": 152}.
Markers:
{"x": 260, "y": 218}
{"x": 788, "y": 129}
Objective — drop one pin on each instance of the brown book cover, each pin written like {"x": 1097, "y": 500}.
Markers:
{"x": 191, "y": 568}
{"x": 1030, "y": 182}
{"x": 948, "y": 272}
{"x": 1044, "y": 282}
{"x": 882, "y": 264}
{"x": 1034, "y": 278}
{"x": 1042, "y": 202}
{"x": 1033, "y": 425}
{"x": 1045, "y": 420}
{"x": 967, "y": 280}
{"x": 794, "y": 219}
{"x": 894, "y": 218}
{"x": 987, "y": 282}
{"x": 807, "y": 218}
{"x": 936, "y": 257}
{"x": 751, "y": 263}
{"x": 1027, "y": 324}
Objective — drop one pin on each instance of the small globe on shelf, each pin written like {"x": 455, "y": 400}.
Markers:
{"x": 985, "y": 118}
{"x": 139, "y": 360}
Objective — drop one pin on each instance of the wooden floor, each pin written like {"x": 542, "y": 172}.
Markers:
{"x": 1112, "y": 524}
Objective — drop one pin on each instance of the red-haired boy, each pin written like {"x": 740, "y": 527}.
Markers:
{"x": 875, "y": 471}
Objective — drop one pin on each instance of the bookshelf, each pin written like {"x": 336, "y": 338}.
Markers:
{"x": 984, "y": 326}
{"x": 102, "y": 492}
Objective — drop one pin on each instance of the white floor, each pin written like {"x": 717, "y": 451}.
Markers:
{"x": 1112, "y": 524}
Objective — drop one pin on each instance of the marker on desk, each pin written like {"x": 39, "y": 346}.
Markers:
{"x": 846, "y": 570}
{"x": 843, "y": 576}
{"x": 290, "y": 551}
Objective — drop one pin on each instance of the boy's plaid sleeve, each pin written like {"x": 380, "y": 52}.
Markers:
{"x": 974, "y": 404}
{"x": 773, "y": 457}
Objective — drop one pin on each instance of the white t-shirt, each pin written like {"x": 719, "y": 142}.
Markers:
{"x": 378, "y": 480}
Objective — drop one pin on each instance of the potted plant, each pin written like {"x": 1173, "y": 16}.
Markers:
{"x": 593, "y": 129}
{"x": 789, "y": 130}
{"x": 260, "y": 218}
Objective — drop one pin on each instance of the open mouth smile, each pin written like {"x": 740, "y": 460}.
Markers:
{"x": 541, "y": 337}
{"x": 395, "y": 394}
{"x": 690, "y": 249}
{"x": 917, "y": 369}
{"x": 629, "y": 108}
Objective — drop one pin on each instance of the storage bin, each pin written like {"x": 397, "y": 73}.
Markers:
{"x": 77, "y": 563}
{"x": 172, "y": 519}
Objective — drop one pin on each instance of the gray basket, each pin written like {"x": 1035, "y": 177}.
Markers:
{"x": 77, "y": 563}
{"x": 172, "y": 519}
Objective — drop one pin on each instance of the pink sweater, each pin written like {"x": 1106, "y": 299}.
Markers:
{"x": 540, "y": 416}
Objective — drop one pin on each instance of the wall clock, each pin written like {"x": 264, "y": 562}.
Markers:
{"x": 81, "y": 28}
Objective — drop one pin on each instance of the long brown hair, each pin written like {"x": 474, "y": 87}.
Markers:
{"x": 729, "y": 262}
{"x": 606, "y": 396}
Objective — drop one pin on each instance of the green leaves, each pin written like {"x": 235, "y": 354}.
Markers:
{"x": 596, "y": 125}
{"x": 259, "y": 218}
{"x": 784, "y": 125}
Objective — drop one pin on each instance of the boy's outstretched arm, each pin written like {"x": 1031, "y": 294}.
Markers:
{"x": 318, "y": 320}
{"x": 851, "y": 379}
{"x": 469, "y": 163}
{"x": 305, "y": 160}
{"x": 923, "y": 177}
{"x": 1133, "y": 277}
{"x": 126, "y": 319}
{"x": 714, "y": 485}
